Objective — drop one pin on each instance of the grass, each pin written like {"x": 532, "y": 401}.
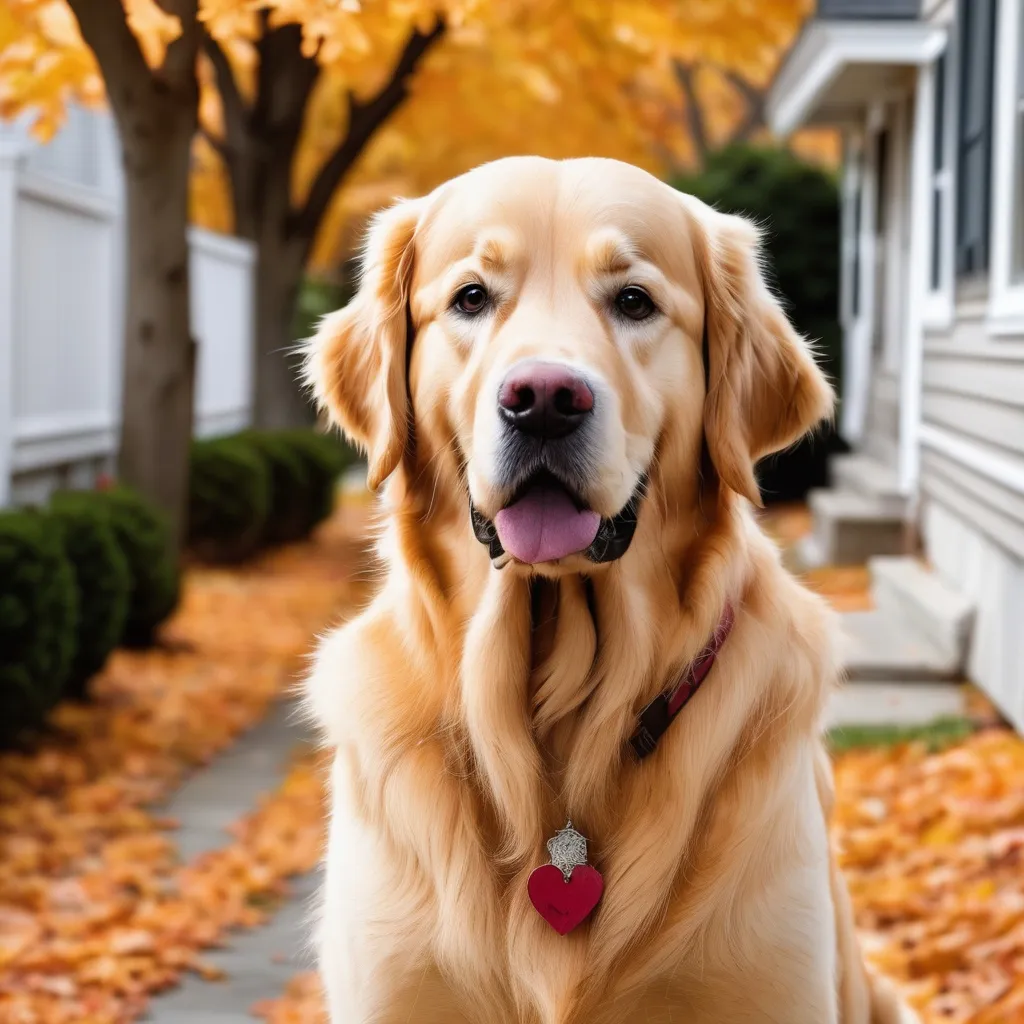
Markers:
{"x": 935, "y": 735}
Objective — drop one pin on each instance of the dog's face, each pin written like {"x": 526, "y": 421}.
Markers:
{"x": 545, "y": 322}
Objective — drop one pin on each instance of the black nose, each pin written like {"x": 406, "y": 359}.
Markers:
{"x": 544, "y": 400}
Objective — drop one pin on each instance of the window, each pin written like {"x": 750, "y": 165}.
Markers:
{"x": 1006, "y": 291}
{"x": 882, "y": 216}
{"x": 974, "y": 140}
{"x": 940, "y": 177}
{"x": 1017, "y": 266}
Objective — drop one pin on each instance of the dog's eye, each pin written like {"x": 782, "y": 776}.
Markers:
{"x": 635, "y": 303}
{"x": 471, "y": 299}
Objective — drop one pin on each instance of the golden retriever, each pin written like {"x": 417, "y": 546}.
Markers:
{"x": 562, "y": 374}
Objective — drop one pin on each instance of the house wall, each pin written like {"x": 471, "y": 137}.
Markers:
{"x": 971, "y": 481}
{"x": 972, "y": 489}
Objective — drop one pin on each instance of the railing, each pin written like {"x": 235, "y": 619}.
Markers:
{"x": 62, "y": 274}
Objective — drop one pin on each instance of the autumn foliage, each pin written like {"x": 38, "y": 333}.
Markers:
{"x": 96, "y": 912}
{"x": 654, "y": 82}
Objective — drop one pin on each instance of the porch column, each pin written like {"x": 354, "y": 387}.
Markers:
{"x": 917, "y": 279}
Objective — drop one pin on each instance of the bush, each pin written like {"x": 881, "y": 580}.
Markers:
{"x": 326, "y": 458}
{"x": 144, "y": 536}
{"x": 291, "y": 482}
{"x": 102, "y": 580}
{"x": 229, "y": 498}
{"x": 38, "y": 620}
{"x": 260, "y": 487}
{"x": 797, "y": 205}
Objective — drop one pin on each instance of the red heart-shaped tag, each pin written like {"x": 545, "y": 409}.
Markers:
{"x": 564, "y": 904}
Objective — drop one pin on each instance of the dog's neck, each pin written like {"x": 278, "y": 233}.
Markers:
{"x": 550, "y": 675}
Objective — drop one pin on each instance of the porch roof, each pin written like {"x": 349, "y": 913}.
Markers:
{"x": 838, "y": 67}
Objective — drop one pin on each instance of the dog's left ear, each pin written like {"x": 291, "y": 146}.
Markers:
{"x": 765, "y": 390}
{"x": 356, "y": 363}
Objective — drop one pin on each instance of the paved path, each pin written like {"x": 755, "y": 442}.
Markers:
{"x": 258, "y": 962}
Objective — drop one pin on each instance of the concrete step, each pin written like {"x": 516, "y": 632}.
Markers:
{"x": 861, "y": 474}
{"x": 904, "y": 587}
{"x": 891, "y": 702}
{"x": 850, "y": 528}
{"x": 886, "y": 646}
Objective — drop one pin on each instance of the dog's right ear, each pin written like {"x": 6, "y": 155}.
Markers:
{"x": 356, "y": 362}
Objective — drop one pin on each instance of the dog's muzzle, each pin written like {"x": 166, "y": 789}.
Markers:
{"x": 613, "y": 538}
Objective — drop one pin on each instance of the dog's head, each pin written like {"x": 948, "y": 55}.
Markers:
{"x": 559, "y": 334}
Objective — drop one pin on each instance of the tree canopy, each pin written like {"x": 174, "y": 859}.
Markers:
{"x": 654, "y": 82}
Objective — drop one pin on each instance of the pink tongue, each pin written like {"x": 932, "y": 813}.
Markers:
{"x": 544, "y": 524}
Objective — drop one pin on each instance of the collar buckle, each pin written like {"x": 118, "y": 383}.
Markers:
{"x": 653, "y": 721}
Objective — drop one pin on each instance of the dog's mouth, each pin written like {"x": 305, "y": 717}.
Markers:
{"x": 546, "y": 521}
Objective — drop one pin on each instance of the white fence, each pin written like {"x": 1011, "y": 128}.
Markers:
{"x": 62, "y": 277}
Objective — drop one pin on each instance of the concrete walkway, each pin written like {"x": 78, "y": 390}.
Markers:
{"x": 258, "y": 962}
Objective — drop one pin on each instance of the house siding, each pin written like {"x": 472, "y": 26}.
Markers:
{"x": 973, "y": 523}
{"x": 973, "y": 391}
{"x": 965, "y": 552}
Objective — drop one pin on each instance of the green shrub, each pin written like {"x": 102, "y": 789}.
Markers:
{"x": 229, "y": 498}
{"x": 291, "y": 484}
{"x": 144, "y": 536}
{"x": 38, "y": 620}
{"x": 326, "y": 458}
{"x": 318, "y": 297}
{"x": 102, "y": 579}
{"x": 797, "y": 205}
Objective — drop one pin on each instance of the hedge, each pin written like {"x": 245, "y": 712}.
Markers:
{"x": 797, "y": 205}
{"x": 102, "y": 578}
{"x": 144, "y": 535}
{"x": 229, "y": 498}
{"x": 38, "y": 620}
{"x": 258, "y": 488}
{"x": 291, "y": 482}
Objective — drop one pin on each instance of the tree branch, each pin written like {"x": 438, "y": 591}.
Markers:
{"x": 364, "y": 120}
{"x": 694, "y": 115}
{"x": 236, "y": 112}
{"x": 219, "y": 146}
{"x": 104, "y": 28}
{"x": 138, "y": 94}
{"x": 756, "y": 98}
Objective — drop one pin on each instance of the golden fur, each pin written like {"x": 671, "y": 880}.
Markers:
{"x": 473, "y": 709}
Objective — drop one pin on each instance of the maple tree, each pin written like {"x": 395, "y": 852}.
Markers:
{"x": 315, "y": 110}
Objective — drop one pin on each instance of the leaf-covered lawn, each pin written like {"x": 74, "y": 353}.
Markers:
{"x": 96, "y": 913}
{"x": 933, "y": 848}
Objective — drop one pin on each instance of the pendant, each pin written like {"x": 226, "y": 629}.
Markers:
{"x": 565, "y": 891}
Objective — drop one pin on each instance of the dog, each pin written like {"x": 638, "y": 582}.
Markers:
{"x": 577, "y": 769}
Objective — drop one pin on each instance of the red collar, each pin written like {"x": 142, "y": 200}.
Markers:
{"x": 659, "y": 714}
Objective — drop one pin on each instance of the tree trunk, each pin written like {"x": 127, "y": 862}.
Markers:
{"x": 156, "y": 115}
{"x": 159, "y": 351}
{"x": 280, "y": 399}
{"x": 260, "y": 141}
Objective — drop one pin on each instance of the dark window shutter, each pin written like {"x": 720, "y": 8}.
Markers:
{"x": 938, "y": 165}
{"x": 974, "y": 135}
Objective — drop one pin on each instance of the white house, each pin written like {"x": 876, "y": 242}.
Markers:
{"x": 62, "y": 279}
{"x": 929, "y": 96}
